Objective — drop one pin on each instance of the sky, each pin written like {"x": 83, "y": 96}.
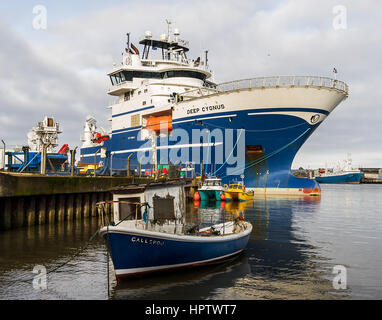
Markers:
{"x": 60, "y": 70}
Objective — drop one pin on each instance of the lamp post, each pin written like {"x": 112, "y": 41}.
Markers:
{"x": 3, "y": 154}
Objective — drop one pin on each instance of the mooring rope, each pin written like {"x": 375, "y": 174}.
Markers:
{"x": 81, "y": 249}
{"x": 265, "y": 157}
{"x": 237, "y": 140}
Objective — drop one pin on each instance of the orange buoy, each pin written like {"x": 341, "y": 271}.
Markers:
{"x": 196, "y": 196}
{"x": 222, "y": 196}
{"x": 196, "y": 204}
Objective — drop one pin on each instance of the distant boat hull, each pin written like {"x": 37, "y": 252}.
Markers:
{"x": 351, "y": 177}
{"x": 136, "y": 252}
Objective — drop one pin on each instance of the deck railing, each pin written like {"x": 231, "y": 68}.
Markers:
{"x": 271, "y": 82}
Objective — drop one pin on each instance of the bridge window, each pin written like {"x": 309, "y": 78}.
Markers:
{"x": 184, "y": 74}
{"x": 123, "y": 76}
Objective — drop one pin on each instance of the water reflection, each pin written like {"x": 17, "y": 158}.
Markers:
{"x": 197, "y": 283}
{"x": 277, "y": 264}
{"x": 286, "y": 258}
{"x": 52, "y": 246}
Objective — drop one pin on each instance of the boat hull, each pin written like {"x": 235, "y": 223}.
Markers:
{"x": 354, "y": 177}
{"x": 136, "y": 252}
{"x": 277, "y": 122}
{"x": 239, "y": 196}
{"x": 207, "y": 195}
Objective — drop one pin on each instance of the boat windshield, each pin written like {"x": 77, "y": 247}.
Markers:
{"x": 213, "y": 183}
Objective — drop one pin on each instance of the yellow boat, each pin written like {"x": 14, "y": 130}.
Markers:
{"x": 236, "y": 191}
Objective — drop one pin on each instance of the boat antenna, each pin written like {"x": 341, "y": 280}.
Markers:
{"x": 168, "y": 29}
{"x": 206, "y": 59}
{"x": 128, "y": 42}
{"x": 335, "y": 73}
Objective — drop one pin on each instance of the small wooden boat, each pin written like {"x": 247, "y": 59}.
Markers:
{"x": 236, "y": 191}
{"x": 141, "y": 245}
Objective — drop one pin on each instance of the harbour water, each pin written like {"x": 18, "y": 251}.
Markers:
{"x": 295, "y": 244}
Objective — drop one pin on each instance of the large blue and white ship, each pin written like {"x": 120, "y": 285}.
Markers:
{"x": 168, "y": 109}
{"x": 341, "y": 174}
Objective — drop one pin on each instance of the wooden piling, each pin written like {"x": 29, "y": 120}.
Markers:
{"x": 69, "y": 207}
{"x": 100, "y": 198}
{"x": 6, "y": 214}
{"x": 51, "y": 209}
{"x": 78, "y": 206}
{"x": 60, "y": 209}
{"x": 93, "y": 207}
{"x": 108, "y": 205}
{"x": 86, "y": 205}
{"x": 31, "y": 212}
{"x": 17, "y": 218}
{"x": 41, "y": 213}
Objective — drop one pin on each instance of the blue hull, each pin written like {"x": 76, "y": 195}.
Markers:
{"x": 280, "y": 137}
{"x": 135, "y": 253}
{"x": 354, "y": 177}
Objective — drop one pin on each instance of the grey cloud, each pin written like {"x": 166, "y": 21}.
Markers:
{"x": 66, "y": 76}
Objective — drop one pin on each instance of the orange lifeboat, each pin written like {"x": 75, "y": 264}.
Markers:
{"x": 157, "y": 124}
{"x": 99, "y": 138}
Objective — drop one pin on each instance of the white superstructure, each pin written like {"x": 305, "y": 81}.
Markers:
{"x": 45, "y": 133}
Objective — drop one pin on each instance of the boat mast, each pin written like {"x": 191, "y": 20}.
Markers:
{"x": 128, "y": 42}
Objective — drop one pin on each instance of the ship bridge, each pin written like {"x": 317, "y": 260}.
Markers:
{"x": 162, "y": 62}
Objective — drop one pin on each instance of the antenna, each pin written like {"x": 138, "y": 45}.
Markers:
{"x": 128, "y": 42}
{"x": 168, "y": 29}
{"x": 335, "y": 73}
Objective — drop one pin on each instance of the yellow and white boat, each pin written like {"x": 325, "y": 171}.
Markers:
{"x": 236, "y": 191}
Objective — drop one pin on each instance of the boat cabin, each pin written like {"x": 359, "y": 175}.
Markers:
{"x": 212, "y": 182}
{"x": 155, "y": 206}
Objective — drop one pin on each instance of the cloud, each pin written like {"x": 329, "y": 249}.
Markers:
{"x": 62, "y": 71}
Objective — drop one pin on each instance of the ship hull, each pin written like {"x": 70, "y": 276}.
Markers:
{"x": 353, "y": 177}
{"x": 270, "y": 174}
{"x": 274, "y": 122}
